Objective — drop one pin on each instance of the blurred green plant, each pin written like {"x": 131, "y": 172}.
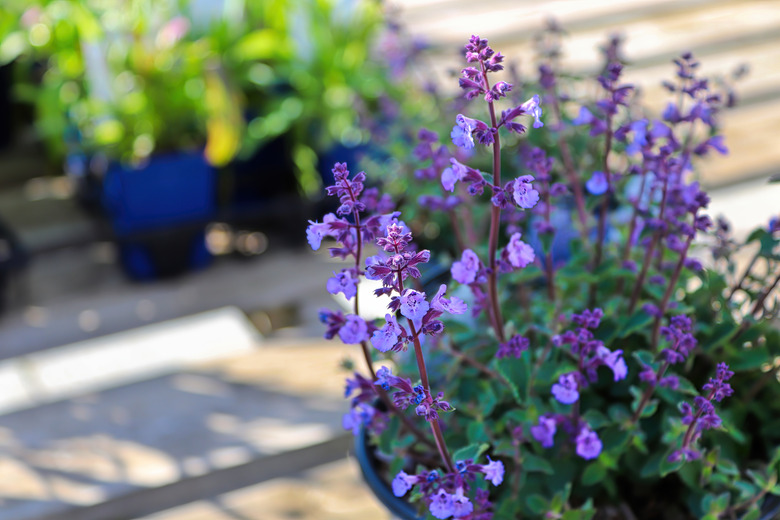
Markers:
{"x": 131, "y": 78}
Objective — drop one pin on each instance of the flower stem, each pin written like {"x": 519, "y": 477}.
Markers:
{"x": 495, "y": 221}
{"x": 669, "y": 289}
{"x": 649, "y": 255}
{"x": 602, "y": 229}
{"x": 418, "y": 353}
{"x": 571, "y": 172}
{"x": 741, "y": 281}
{"x": 649, "y": 392}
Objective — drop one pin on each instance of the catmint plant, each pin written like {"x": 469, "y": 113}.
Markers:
{"x": 579, "y": 343}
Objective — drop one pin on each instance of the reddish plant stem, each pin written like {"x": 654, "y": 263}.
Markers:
{"x": 364, "y": 344}
{"x": 437, "y": 435}
{"x": 456, "y": 230}
{"x": 649, "y": 392}
{"x": 692, "y": 427}
{"x": 759, "y": 305}
{"x": 648, "y": 256}
{"x": 741, "y": 281}
{"x": 669, "y": 290}
{"x": 635, "y": 215}
{"x": 571, "y": 172}
{"x": 495, "y": 221}
{"x": 605, "y": 203}
{"x": 548, "y": 264}
{"x": 492, "y": 374}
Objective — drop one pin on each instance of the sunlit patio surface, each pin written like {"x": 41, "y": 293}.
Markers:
{"x": 212, "y": 396}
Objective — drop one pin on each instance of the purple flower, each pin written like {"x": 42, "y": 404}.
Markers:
{"x": 387, "y": 337}
{"x": 317, "y": 231}
{"x": 494, "y": 471}
{"x": 461, "y": 505}
{"x": 515, "y": 347}
{"x": 462, "y": 133}
{"x": 466, "y": 269}
{"x": 544, "y": 431}
{"x": 533, "y": 107}
{"x": 414, "y": 305}
{"x": 518, "y": 253}
{"x": 453, "y": 305}
{"x": 357, "y": 417}
{"x": 343, "y": 282}
{"x": 565, "y": 390}
{"x": 583, "y": 118}
{"x": 441, "y": 505}
{"x": 614, "y": 360}
{"x": 588, "y": 444}
{"x": 597, "y": 184}
{"x": 354, "y": 330}
{"x": 524, "y": 194}
{"x": 451, "y": 175}
{"x": 403, "y": 483}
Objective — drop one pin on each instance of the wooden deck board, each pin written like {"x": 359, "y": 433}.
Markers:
{"x": 722, "y": 33}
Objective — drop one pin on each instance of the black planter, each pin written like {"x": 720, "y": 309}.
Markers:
{"x": 369, "y": 466}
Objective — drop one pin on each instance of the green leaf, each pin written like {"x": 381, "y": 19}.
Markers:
{"x": 614, "y": 439}
{"x": 652, "y": 467}
{"x": 667, "y": 467}
{"x": 257, "y": 45}
{"x": 487, "y": 399}
{"x": 517, "y": 372}
{"x": 721, "y": 333}
{"x": 727, "y": 467}
{"x": 533, "y": 462}
{"x": 537, "y": 504}
{"x": 593, "y": 474}
{"x": 754, "y": 513}
{"x": 389, "y": 436}
{"x": 644, "y": 357}
{"x": 472, "y": 451}
{"x": 595, "y": 419}
{"x": 748, "y": 358}
{"x": 477, "y": 432}
{"x": 638, "y": 321}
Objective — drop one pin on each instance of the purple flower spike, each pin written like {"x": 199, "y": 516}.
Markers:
{"x": 467, "y": 268}
{"x": 414, "y": 305}
{"x": 588, "y": 444}
{"x": 524, "y": 194}
{"x": 354, "y": 330}
{"x": 597, "y": 184}
{"x": 544, "y": 431}
{"x": 565, "y": 390}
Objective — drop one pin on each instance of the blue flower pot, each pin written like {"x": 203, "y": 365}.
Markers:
{"x": 159, "y": 213}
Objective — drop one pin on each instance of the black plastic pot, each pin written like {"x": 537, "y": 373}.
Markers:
{"x": 403, "y": 510}
{"x": 369, "y": 466}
